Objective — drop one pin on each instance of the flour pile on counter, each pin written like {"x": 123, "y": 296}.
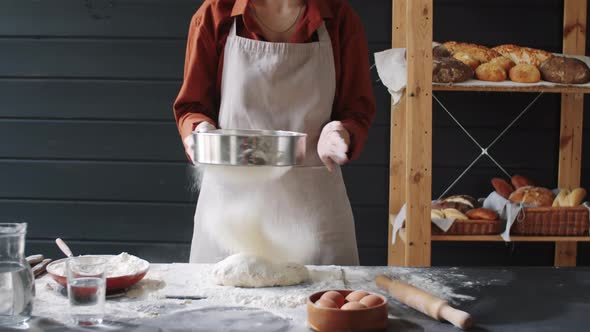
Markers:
{"x": 120, "y": 265}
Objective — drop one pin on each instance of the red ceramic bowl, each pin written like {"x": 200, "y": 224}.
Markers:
{"x": 113, "y": 283}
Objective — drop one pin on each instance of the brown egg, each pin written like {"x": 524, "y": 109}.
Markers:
{"x": 356, "y": 296}
{"x": 353, "y": 306}
{"x": 371, "y": 301}
{"x": 335, "y": 297}
{"x": 326, "y": 303}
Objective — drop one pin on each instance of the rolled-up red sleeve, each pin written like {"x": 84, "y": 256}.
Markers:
{"x": 355, "y": 102}
{"x": 196, "y": 101}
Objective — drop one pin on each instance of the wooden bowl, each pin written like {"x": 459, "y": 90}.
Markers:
{"x": 333, "y": 320}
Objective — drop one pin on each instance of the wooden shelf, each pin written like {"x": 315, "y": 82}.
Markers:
{"x": 497, "y": 238}
{"x": 491, "y": 88}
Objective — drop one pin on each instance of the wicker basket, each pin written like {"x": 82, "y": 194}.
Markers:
{"x": 548, "y": 221}
{"x": 471, "y": 227}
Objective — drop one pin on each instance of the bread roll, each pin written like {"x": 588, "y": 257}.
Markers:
{"x": 525, "y": 73}
{"x": 490, "y": 72}
{"x": 503, "y": 62}
{"x": 565, "y": 70}
{"x": 576, "y": 197}
{"x": 535, "y": 196}
{"x": 502, "y": 187}
{"x": 467, "y": 59}
{"x": 462, "y": 199}
{"x": 453, "y": 205}
{"x": 450, "y": 70}
{"x": 562, "y": 198}
{"x": 525, "y": 55}
{"x": 436, "y": 214}
{"x": 477, "y": 52}
{"x": 454, "y": 214}
{"x": 521, "y": 181}
{"x": 482, "y": 214}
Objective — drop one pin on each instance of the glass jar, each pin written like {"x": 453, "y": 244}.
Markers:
{"x": 17, "y": 284}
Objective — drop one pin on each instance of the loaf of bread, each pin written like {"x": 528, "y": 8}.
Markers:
{"x": 570, "y": 198}
{"x": 454, "y": 214}
{"x": 534, "y": 196}
{"x": 565, "y": 70}
{"x": 576, "y": 197}
{"x": 462, "y": 199}
{"x": 524, "y": 73}
{"x": 561, "y": 198}
{"x": 450, "y": 70}
{"x": 436, "y": 214}
{"x": 503, "y": 62}
{"x": 452, "y": 205}
{"x": 477, "y": 52}
{"x": 490, "y": 72}
{"x": 521, "y": 181}
{"x": 440, "y": 51}
{"x": 482, "y": 214}
{"x": 467, "y": 59}
{"x": 526, "y": 55}
{"x": 502, "y": 187}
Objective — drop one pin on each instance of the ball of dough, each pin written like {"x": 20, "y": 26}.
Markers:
{"x": 525, "y": 73}
{"x": 251, "y": 271}
{"x": 490, "y": 72}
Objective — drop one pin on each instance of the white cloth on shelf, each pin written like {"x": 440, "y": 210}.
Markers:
{"x": 400, "y": 218}
{"x": 392, "y": 70}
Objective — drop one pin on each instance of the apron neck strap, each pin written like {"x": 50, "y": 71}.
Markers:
{"x": 232, "y": 31}
{"x": 323, "y": 35}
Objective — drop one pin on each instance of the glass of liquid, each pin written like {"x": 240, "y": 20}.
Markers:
{"x": 86, "y": 289}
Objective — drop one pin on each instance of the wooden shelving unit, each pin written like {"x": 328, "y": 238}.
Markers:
{"x": 411, "y": 134}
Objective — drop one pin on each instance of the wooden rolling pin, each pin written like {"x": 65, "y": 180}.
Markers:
{"x": 424, "y": 302}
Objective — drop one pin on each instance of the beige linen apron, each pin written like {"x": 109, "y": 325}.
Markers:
{"x": 282, "y": 86}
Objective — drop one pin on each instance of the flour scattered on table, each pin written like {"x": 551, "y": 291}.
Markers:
{"x": 443, "y": 285}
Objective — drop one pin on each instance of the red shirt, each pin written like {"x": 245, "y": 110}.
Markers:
{"x": 200, "y": 95}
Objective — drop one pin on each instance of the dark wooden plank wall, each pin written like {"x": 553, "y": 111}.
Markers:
{"x": 90, "y": 151}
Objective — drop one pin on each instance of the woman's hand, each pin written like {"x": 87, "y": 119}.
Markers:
{"x": 189, "y": 141}
{"x": 333, "y": 145}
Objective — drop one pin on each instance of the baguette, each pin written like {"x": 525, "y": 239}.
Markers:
{"x": 576, "y": 197}
{"x": 561, "y": 200}
{"x": 519, "y": 181}
{"x": 525, "y": 55}
{"x": 477, "y": 52}
{"x": 502, "y": 187}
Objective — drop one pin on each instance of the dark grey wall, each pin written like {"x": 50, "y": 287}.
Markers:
{"x": 90, "y": 152}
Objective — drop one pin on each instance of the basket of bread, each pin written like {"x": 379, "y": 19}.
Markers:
{"x": 456, "y": 62}
{"x": 545, "y": 212}
{"x": 468, "y": 217}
